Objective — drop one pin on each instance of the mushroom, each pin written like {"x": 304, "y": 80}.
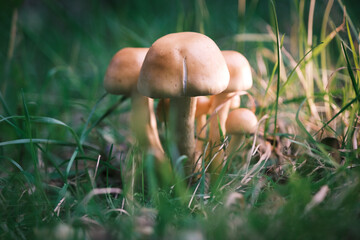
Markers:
{"x": 181, "y": 66}
{"x": 121, "y": 78}
{"x": 239, "y": 122}
{"x": 240, "y": 80}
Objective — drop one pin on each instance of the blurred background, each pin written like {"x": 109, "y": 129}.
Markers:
{"x": 60, "y": 47}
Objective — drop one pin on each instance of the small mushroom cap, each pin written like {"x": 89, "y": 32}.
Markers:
{"x": 123, "y": 71}
{"x": 183, "y": 64}
{"x": 203, "y": 104}
{"x": 240, "y": 72}
{"x": 241, "y": 121}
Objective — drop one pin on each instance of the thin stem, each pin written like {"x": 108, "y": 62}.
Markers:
{"x": 144, "y": 127}
{"x": 221, "y": 104}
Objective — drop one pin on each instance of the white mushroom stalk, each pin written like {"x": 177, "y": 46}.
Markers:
{"x": 202, "y": 109}
{"x": 181, "y": 66}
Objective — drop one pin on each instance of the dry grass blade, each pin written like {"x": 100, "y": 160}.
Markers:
{"x": 100, "y": 191}
{"x": 318, "y": 198}
{"x": 252, "y": 37}
{"x": 57, "y": 208}
{"x": 120, "y": 210}
{"x": 97, "y": 166}
{"x": 235, "y": 199}
{"x": 253, "y": 149}
{"x": 257, "y": 167}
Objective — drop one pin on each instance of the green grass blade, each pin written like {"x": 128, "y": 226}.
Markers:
{"x": 46, "y": 120}
{"x": 54, "y": 121}
{"x": 271, "y": 78}
{"x": 273, "y": 72}
{"x": 45, "y": 141}
{"x": 302, "y": 127}
{"x": 27, "y": 176}
{"x": 83, "y": 135}
{"x": 29, "y": 134}
{"x": 351, "y": 73}
{"x": 278, "y": 65}
{"x": 8, "y": 121}
{"x": 86, "y": 131}
{"x": 108, "y": 112}
{"x": 288, "y": 80}
{"x": 337, "y": 114}
{"x": 221, "y": 133}
{"x": 108, "y": 161}
{"x": 323, "y": 45}
{"x": 353, "y": 28}
{"x": 5, "y": 106}
{"x": 355, "y": 57}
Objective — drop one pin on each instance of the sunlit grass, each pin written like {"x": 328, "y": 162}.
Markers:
{"x": 71, "y": 168}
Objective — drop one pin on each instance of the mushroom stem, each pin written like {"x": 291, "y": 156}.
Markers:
{"x": 144, "y": 127}
{"x": 220, "y": 117}
{"x": 201, "y": 135}
{"x": 214, "y": 134}
{"x": 234, "y": 144}
{"x": 182, "y": 116}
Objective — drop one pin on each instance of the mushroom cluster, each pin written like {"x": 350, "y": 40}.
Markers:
{"x": 193, "y": 79}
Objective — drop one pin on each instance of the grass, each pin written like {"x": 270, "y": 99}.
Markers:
{"x": 71, "y": 169}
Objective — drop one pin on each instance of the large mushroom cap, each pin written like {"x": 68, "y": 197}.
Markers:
{"x": 240, "y": 71}
{"x": 123, "y": 71}
{"x": 183, "y": 64}
{"x": 240, "y": 121}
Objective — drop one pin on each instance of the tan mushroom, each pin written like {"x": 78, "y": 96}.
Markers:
{"x": 240, "y": 80}
{"x": 121, "y": 78}
{"x": 240, "y": 121}
{"x": 181, "y": 66}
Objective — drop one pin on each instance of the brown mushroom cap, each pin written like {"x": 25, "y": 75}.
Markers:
{"x": 123, "y": 71}
{"x": 241, "y": 121}
{"x": 183, "y": 64}
{"x": 240, "y": 72}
